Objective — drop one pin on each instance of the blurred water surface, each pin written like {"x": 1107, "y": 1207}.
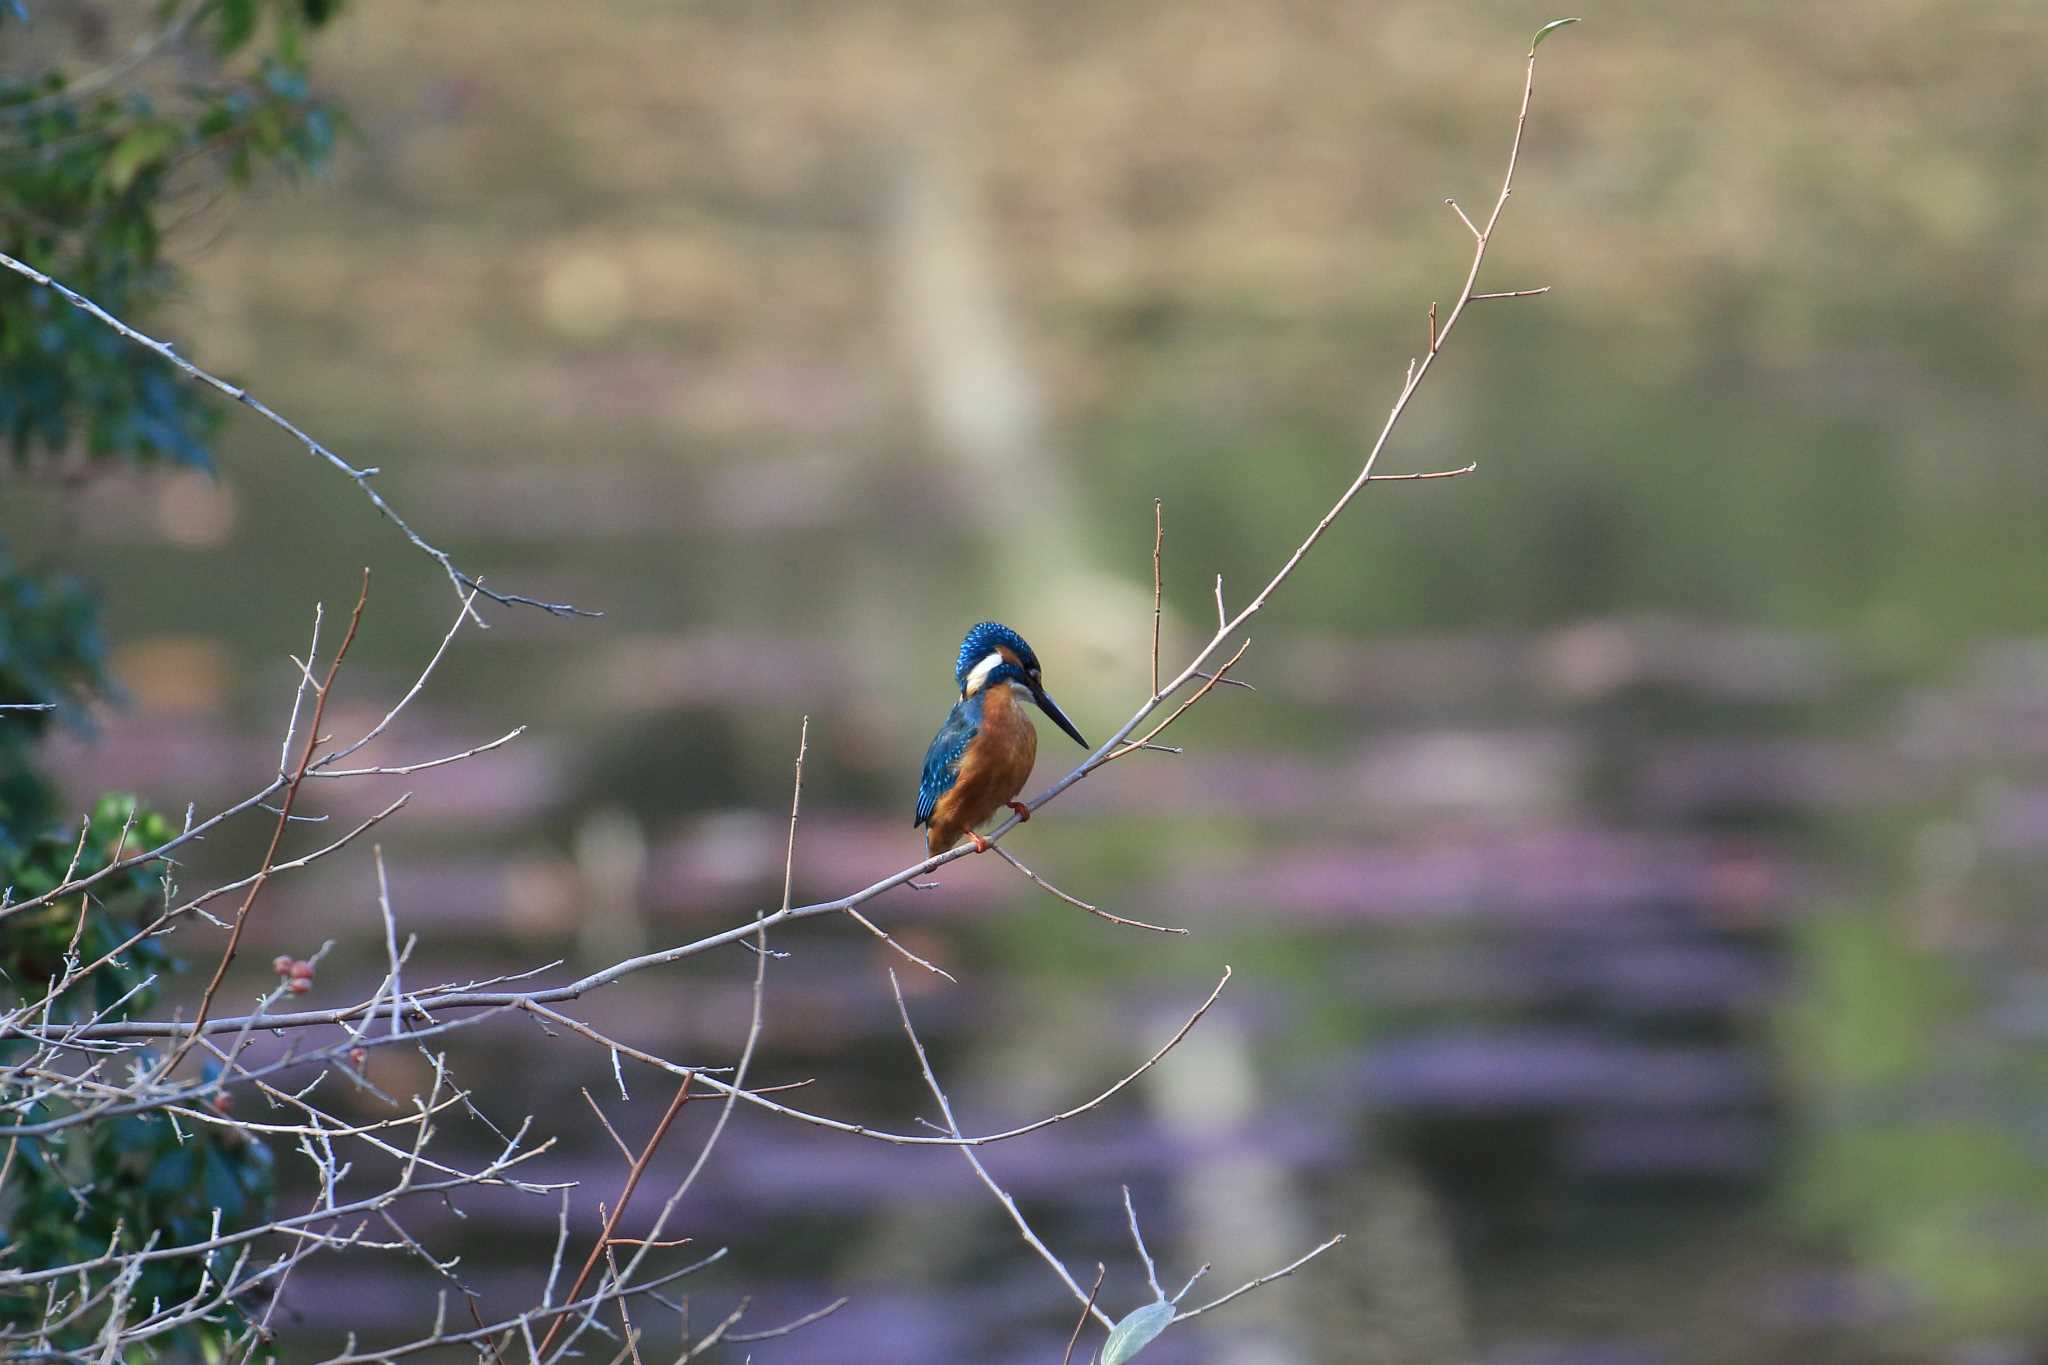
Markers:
{"x": 1628, "y": 861}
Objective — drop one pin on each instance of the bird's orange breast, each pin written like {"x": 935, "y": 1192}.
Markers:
{"x": 994, "y": 769}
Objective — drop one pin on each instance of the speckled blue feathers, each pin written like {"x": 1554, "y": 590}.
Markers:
{"x": 942, "y": 760}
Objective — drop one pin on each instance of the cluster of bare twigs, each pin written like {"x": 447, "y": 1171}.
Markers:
{"x": 271, "y": 1072}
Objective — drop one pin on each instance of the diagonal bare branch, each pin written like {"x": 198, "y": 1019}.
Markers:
{"x": 463, "y": 582}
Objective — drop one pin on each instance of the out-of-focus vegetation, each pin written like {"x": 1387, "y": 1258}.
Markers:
{"x": 114, "y": 120}
{"x": 110, "y": 123}
{"x": 1634, "y": 840}
{"x": 132, "y": 1179}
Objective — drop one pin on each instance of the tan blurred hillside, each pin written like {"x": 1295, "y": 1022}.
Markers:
{"x": 701, "y": 195}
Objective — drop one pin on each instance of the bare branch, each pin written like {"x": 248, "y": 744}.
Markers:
{"x": 617, "y": 1141}
{"x": 1250, "y": 1285}
{"x": 1405, "y": 478}
{"x": 1138, "y": 1239}
{"x": 291, "y": 793}
{"x": 795, "y": 1324}
{"x": 1031, "y": 1239}
{"x": 1087, "y": 1308}
{"x": 611, "y": 1223}
{"x": 864, "y": 922}
{"x": 360, "y": 477}
{"x": 1158, "y": 542}
{"x": 1211, "y": 680}
{"x": 796, "y": 801}
{"x": 757, "y": 1097}
{"x": 1096, "y": 911}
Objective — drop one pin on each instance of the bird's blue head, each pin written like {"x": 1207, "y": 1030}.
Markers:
{"x": 1014, "y": 661}
{"x": 992, "y": 653}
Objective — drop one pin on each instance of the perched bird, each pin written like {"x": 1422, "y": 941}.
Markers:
{"x": 982, "y": 756}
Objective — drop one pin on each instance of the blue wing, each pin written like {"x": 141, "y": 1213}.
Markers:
{"x": 942, "y": 760}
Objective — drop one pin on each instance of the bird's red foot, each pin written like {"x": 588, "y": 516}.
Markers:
{"x": 1023, "y": 811}
{"x": 980, "y": 844}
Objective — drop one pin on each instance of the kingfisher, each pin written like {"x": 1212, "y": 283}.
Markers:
{"x": 982, "y": 756}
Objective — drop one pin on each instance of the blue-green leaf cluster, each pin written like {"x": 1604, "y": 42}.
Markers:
{"x": 91, "y": 170}
{"x": 86, "y": 176}
{"x": 52, "y": 653}
{"x": 113, "y": 1181}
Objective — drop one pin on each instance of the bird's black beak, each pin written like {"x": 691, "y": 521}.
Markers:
{"x": 1059, "y": 717}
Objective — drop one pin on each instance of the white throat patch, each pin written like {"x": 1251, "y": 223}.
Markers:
{"x": 977, "y": 678}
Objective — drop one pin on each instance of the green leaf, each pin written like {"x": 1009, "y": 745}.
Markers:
{"x": 172, "y": 1171}
{"x": 143, "y": 147}
{"x": 223, "y": 1191}
{"x": 1547, "y": 30}
{"x": 237, "y": 25}
{"x": 1136, "y": 1332}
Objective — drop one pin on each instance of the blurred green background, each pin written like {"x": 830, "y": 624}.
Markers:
{"x": 1628, "y": 859}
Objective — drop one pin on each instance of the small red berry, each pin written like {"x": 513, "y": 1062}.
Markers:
{"x": 282, "y": 964}
{"x": 301, "y": 984}
{"x": 301, "y": 971}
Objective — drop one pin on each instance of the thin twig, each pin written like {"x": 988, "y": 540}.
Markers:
{"x": 1250, "y": 1285}
{"x": 1433, "y": 474}
{"x": 611, "y": 1222}
{"x": 291, "y": 793}
{"x": 793, "y": 1325}
{"x": 390, "y": 942}
{"x": 1086, "y": 1308}
{"x": 1031, "y": 1238}
{"x": 1137, "y": 1237}
{"x": 879, "y": 932}
{"x": 796, "y": 801}
{"x": 717, "y": 1334}
{"x": 617, "y": 1141}
{"x": 756, "y": 1097}
{"x": 1221, "y": 675}
{"x": 1158, "y": 542}
{"x": 407, "y": 769}
{"x": 740, "y": 1069}
{"x": 463, "y": 582}
{"x": 1096, "y": 911}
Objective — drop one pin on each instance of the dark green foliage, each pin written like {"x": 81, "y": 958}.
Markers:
{"x": 90, "y": 172}
{"x": 68, "y": 1197}
{"x": 51, "y": 651}
{"x": 84, "y": 182}
{"x": 34, "y": 943}
{"x": 72, "y": 1194}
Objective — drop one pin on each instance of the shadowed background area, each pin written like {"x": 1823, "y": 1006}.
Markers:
{"x": 1627, "y": 859}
